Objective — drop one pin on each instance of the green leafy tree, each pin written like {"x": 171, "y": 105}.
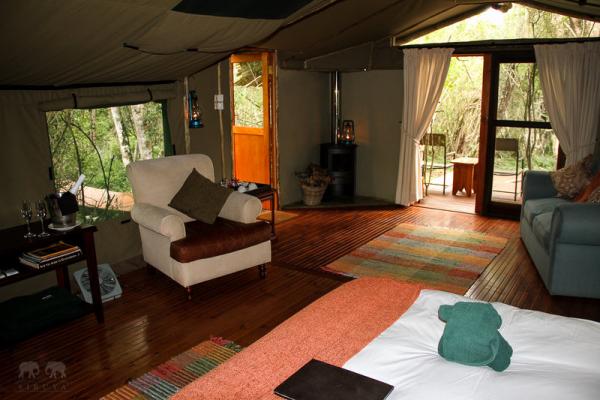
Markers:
{"x": 520, "y": 96}
{"x": 248, "y": 94}
{"x": 100, "y": 143}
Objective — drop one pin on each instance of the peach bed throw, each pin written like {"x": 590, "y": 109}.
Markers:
{"x": 331, "y": 329}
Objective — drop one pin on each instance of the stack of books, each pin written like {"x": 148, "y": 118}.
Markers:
{"x": 50, "y": 255}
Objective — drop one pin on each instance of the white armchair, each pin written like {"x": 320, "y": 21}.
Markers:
{"x": 186, "y": 250}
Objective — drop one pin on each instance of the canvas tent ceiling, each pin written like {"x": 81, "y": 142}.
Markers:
{"x": 80, "y": 42}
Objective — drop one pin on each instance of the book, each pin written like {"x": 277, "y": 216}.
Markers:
{"x": 317, "y": 380}
{"x": 47, "y": 263}
{"x": 51, "y": 252}
{"x": 10, "y": 272}
{"x": 37, "y": 260}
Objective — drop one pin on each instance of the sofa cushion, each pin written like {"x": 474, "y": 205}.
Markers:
{"x": 594, "y": 196}
{"x": 584, "y": 195}
{"x": 223, "y": 236}
{"x": 571, "y": 180}
{"x": 542, "y": 225}
{"x": 535, "y": 207}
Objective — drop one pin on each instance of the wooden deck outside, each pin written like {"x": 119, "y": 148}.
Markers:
{"x": 153, "y": 320}
{"x": 503, "y": 191}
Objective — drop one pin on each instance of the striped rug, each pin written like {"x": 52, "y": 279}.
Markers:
{"x": 435, "y": 257}
{"x": 169, "y": 377}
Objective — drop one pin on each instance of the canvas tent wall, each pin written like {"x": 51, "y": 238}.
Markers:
{"x": 53, "y": 44}
{"x": 26, "y": 158}
{"x": 64, "y": 42}
{"x": 54, "y": 48}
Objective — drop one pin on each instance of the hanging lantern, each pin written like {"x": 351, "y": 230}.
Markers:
{"x": 347, "y": 134}
{"x": 195, "y": 115}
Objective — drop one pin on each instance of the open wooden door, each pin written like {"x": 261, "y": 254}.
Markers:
{"x": 251, "y": 117}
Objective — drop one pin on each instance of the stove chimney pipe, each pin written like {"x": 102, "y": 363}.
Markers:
{"x": 336, "y": 105}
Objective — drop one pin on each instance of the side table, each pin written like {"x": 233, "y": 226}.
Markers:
{"x": 13, "y": 244}
{"x": 265, "y": 192}
{"x": 464, "y": 174}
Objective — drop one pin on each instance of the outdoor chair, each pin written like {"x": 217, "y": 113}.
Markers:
{"x": 432, "y": 144}
{"x": 510, "y": 145}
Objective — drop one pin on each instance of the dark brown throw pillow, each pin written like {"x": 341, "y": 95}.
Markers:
{"x": 199, "y": 198}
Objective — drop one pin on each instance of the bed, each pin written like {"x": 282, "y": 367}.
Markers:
{"x": 389, "y": 331}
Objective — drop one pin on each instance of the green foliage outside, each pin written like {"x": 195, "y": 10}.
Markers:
{"x": 87, "y": 142}
{"x": 520, "y": 97}
{"x": 248, "y": 94}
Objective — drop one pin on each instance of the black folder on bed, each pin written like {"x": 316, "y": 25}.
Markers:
{"x": 317, "y": 380}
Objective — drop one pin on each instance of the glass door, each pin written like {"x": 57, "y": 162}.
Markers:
{"x": 520, "y": 136}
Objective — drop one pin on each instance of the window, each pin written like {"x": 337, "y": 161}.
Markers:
{"x": 100, "y": 143}
{"x": 517, "y": 22}
{"x": 524, "y": 139}
{"x": 248, "y": 93}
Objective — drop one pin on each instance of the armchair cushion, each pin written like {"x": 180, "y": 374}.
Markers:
{"x": 200, "y": 198}
{"x": 223, "y": 236}
{"x": 159, "y": 220}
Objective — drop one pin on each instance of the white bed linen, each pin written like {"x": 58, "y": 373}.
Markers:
{"x": 554, "y": 357}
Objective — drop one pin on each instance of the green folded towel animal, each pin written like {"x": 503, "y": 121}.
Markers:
{"x": 471, "y": 336}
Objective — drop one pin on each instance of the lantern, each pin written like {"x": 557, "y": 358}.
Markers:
{"x": 195, "y": 115}
{"x": 347, "y": 134}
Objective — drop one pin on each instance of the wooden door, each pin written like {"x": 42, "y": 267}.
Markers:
{"x": 251, "y": 117}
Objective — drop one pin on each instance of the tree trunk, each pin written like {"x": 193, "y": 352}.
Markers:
{"x": 143, "y": 145}
{"x": 528, "y": 113}
{"x": 93, "y": 124}
{"x": 121, "y": 136}
{"x": 504, "y": 97}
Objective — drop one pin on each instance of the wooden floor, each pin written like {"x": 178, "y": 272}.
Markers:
{"x": 449, "y": 202}
{"x": 153, "y": 321}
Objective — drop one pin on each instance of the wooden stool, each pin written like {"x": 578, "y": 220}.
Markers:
{"x": 464, "y": 175}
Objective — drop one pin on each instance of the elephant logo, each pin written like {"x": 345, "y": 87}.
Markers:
{"x": 29, "y": 368}
{"x": 55, "y": 369}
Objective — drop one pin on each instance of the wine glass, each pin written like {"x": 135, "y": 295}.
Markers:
{"x": 42, "y": 212}
{"x": 26, "y": 214}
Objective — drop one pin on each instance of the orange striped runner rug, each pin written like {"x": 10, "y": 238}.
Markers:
{"x": 435, "y": 257}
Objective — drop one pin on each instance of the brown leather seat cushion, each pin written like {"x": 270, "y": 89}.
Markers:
{"x": 224, "y": 236}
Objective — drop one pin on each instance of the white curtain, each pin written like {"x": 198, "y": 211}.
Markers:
{"x": 570, "y": 80}
{"x": 425, "y": 71}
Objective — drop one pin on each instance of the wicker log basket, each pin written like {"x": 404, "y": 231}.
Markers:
{"x": 314, "y": 181}
{"x": 312, "y": 195}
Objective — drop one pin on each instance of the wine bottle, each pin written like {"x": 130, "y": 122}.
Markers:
{"x": 68, "y": 200}
{"x": 77, "y": 184}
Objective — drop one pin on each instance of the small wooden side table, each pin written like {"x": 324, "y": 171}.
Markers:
{"x": 265, "y": 192}
{"x": 464, "y": 175}
{"x": 13, "y": 244}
